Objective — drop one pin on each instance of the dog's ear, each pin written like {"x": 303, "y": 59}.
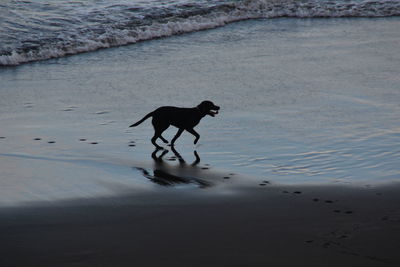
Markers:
{"x": 202, "y": 106}
{"x": 206, "y": 104}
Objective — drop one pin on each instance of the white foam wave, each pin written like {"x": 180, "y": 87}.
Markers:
{"x": 217, "y": 16}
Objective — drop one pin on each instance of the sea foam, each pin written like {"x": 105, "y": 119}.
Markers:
{"x": 109, "y": 26}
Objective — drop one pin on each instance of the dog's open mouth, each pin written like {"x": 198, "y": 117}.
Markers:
{"x": 212, "y": 113}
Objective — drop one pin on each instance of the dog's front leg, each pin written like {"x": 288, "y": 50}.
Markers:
{"x": 192, "y": 131}
{"x": 180, "y": 131}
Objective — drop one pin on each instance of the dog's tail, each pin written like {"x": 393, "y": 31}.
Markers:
{"x": 142, "y": 120}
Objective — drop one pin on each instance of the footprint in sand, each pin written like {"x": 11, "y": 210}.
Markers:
{"x": 340, "y": 234}
{"x": 28, "y": 105}
{"x": 346, "y": 212}
{"x": 102, "y": 112}
{"x": 132, "y": 143}
{"x": 264, "y": 183}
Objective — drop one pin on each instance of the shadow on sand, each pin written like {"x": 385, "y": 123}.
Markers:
{"x": 162, "y": 170}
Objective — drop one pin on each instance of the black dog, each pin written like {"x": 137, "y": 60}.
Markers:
{"x": 182, "y": 118}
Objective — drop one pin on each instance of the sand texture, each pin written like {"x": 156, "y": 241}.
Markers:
{"x": 265, "y": 225}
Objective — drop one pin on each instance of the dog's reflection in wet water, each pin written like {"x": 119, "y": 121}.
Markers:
{"x": 162, "y": 171}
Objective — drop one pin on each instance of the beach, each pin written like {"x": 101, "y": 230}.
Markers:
{"x": 299, "y": 168}
{"x": 279, "y": 226}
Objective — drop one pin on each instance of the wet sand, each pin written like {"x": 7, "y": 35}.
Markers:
{"x": 261, "y": 226}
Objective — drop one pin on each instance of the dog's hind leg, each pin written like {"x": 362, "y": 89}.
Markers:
{"x": 192, "y": 131}
{"x": 180, "y": 131}
{"x": 163, "y": 139}
{"x": 157, "y": 134}
{"x": 159, "y": 128}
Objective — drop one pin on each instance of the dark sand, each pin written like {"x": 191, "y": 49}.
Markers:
{"x": 265, "y": 226}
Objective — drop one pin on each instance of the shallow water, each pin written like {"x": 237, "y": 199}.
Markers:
{"x": 303, "y": 101}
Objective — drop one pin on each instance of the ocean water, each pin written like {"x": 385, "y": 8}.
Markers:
{"x": 303, "y": 101}
{"x": 40, "y": 29}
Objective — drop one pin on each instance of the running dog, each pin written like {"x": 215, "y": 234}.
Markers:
{"x": 182, "y": 118}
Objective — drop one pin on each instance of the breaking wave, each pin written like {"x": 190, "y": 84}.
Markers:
{"x": 38, "y": 30}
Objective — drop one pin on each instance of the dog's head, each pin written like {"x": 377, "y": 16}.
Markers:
{"x": 208, "y": 108}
